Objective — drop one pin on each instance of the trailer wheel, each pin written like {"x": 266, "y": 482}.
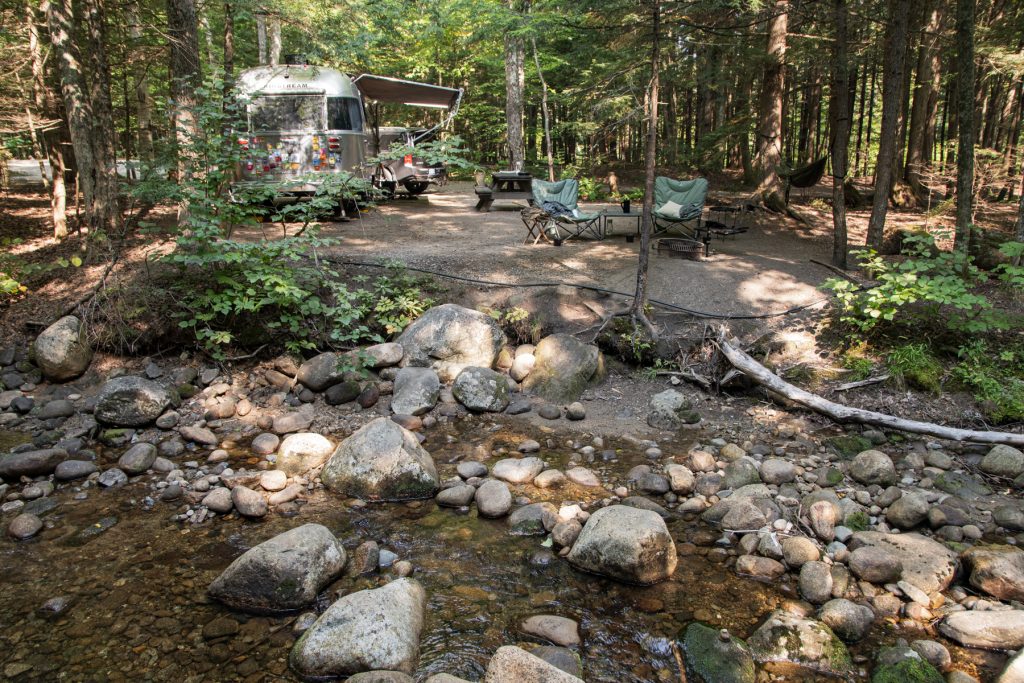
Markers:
{"x": 414, "y": 188}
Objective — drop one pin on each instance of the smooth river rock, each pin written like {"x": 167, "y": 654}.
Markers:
{"x": 512, "y": 664}
{"x": 283, "y": 573}
{"x": 62, "y": 350}
{"x": 625, "y": 543}
{"x": 130, "y": 402}
{"x": 992, "y": 630}
{"x": 381, "y": 461}
{"x": 377, "y": 629}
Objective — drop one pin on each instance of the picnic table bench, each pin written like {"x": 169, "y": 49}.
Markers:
{"x": 504, "y": 185}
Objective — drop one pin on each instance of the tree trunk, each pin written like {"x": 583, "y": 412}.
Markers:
{"x": 965, "y": 10}
{"x": 274, "y": 40}
{"x": 72, "y": 87}
{"x": 544, "y": 111}
{"x": 261, "y": 37}
{"x": 922, "y": 115}
{"x": 143, "y": 101}
{"x": 53, "y": 137}
{"x": 650, "y": 167}
{"x": 871, "y": 114}
{"x": 769, "y": 127}
{"x": 892, "y": 94}
{"x": 106, "y": 210}
{"x": 839, "y": 113}
{"x": 515, "y": 77}
{"x": 229, "y": 48}
{"x": 184, "y": 74}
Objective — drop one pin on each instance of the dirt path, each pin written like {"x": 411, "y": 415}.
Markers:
{"x": 765, "y": 270}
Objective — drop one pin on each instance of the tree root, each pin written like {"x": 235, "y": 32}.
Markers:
{"x": 840, "y": 413}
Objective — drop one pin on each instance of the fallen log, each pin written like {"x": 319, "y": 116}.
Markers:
{"x": 840, "y": 413}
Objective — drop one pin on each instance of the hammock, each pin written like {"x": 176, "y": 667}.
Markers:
{"x": 807, "y": 176}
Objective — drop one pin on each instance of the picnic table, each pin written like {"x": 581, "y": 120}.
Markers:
{"x": 510, "y": 185}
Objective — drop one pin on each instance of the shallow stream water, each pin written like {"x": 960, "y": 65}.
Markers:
{"x": 136, "y": 582}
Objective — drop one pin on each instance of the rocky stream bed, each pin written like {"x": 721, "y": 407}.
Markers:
{"x": 292, "y": 520}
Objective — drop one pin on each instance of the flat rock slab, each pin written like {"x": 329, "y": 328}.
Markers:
{"x": 991, "y": 630}
{"x": 927, "y": 564}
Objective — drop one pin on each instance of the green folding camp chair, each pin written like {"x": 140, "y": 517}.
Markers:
{"x": 679, "y": 203}
{"x": 544, "y": 224}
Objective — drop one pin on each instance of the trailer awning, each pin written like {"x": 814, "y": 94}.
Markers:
{"x": 411, "y": 93}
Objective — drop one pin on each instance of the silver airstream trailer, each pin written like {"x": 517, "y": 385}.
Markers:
{"x": 306, "y": 120}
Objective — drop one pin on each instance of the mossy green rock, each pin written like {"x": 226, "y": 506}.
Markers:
{"x": 961, "y": 485}
{"x": 785, "y": 637}
{"x": 715, "y": 660}
{"x": 849, "y": 445}
{"x": 907, "y": 671}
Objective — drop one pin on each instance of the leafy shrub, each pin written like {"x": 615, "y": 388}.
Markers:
{"x": 995, "y": 379}
{"x": 928, "y": 289}
{"x": 915, "y": 365}
{"x": 517, "y": 323}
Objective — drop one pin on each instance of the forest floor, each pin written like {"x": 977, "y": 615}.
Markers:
{"x": 749, "y": 282}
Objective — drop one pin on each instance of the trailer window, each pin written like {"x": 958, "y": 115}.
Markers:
{"x": 287, "y": 112}
{"x": 344, "y": 113}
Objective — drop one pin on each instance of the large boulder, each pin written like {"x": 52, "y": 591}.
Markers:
{"x": 992, "y": 630}
{"x": 321, "y": 371}
{"x": 31, "y": 463}
{"x": 369, "y": 630}
{"x": 1003, "y": 461}
{"x": 927, "y": 564}
{"x": 283, "y": 573}
{"x": 131, "y": 402}
{"x": 787, "y": 638}
{"x": 381, "y": 461}
{"x": 670, "y": 410}
{"x": 873, "y": 467}
{"x": 512, "y": 664}
{"x": 996, "y": 569}
{"x": 563, "y": 368}
{"x": 416, "y": 391}
{"x": 62, "y": 351}
{"x": 302, "y": 452}
{"x": 481, "y": 390}
{"x": 625, "y": 543}
{"x": 449, "y": 338}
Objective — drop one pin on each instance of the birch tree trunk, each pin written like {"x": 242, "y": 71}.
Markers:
{"x": 274, "y": 41}
{"x": 892, "y": 92}
{"x": 839, "y": 114}
{"x": 261, "y": 37}
{"x": 769, "y": 127}
{"x": 544, "y": 112}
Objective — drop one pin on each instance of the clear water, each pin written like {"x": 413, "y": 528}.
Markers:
{"x": 137, "y": 584}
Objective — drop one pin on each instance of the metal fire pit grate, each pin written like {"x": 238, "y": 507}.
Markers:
{"x": 678, "y": 247}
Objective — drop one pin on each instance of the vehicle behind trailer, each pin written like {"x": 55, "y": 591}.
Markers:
{"x": 409, "y": 170}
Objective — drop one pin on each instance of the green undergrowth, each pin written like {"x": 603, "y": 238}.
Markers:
{"x": 931, "y": 321}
